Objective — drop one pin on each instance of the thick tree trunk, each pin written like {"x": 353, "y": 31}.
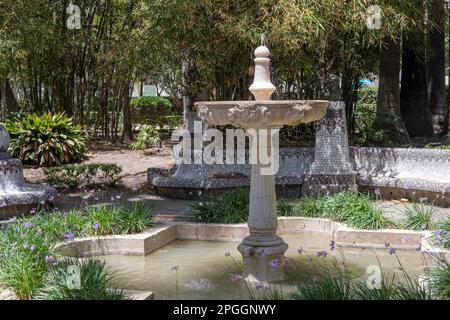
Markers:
{"x": 414, "y": 92}
{"x": 436, "y": 70}
{"x": 388, "y": 116}
{"x": 10, "y": 99}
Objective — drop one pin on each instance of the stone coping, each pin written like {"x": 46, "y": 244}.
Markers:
{"x": 166, "y": 232}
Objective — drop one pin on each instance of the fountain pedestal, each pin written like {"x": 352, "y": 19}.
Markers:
{"x": 263, "y": 250}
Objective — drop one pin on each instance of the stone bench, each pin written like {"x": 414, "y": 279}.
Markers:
{"x": 395, "y": 172}
{"x": 404, "y": 172}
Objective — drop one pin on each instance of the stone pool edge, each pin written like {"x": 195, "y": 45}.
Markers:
{"x": 166, "y": 232}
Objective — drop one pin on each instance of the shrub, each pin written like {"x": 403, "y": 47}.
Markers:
{"x": 135, "y": 220}
{"x": 419, "y": 217}
{"x": 81, "y": 175}
{"x": 230, "y": 207}
{"x": 47, "y": 139}
{"x": 95, "y": 282}
{"x": 147, "y": 137}
{"x": 155, "y": 111}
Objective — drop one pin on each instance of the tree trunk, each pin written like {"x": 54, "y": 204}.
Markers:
{"x": 10, "y": 99}
{"x": 189, "y": 114}
{"x": 414, "y": 92}
{"x": 127, "y": 134}
{"x": 436, "y": 70}
{"x": 388, "y": 116}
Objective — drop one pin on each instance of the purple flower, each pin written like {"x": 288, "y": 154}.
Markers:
{"x": 96, "y": 226}
{"x": 32, "y": 247}
{"x": 407, "y": 238}
{"x": 39, "y": 233}
{"x": 332, "y": 245}
{"x": 283, "y": 262}
{"x": 235, "y": 277}
{"x": 33, "y": 210}
{"x": 268, "y": 289}
{"x": 227, "y": 254}
{"x": 69, "y": 236}
{"x": 300, "y": 250}
{"x": 391, "y": 251}
{"x": 28, "y": 225}
{"x": 273, "y": 264}
{"x": 85, "y": 197}
{"x": 25, "y": 245}
{"x": 51, "y": 260}
{"x": 259, "y": 286}
{"x": 419, "y": 248}
{"x": 322, "y": 254}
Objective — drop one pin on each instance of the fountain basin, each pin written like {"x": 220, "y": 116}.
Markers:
{"x": 261, "y": 114}
{"x": 144, "y": 261}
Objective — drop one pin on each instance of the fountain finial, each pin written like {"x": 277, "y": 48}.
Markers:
{"x": 262, "y": 87}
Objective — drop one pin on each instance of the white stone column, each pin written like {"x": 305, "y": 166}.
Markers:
{"x": 263, "y": 251}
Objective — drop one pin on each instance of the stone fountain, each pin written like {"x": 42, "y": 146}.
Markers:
{"x": 16, "y": 196}
{"x": 263, "y": 250}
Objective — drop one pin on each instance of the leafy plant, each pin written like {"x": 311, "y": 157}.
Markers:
{"x": 419, "y": 216}
{"x": 102, "y": 219}
{"x": 22, "y": 258}
{"x": 135, "y": 220}
{"x": 355, "y": 209}
{"x": 147, "y": 137}
{"x": 230, "y": 207}
{"x": 285, "y": 208}
{"x": 309, "y": 207}
{"x": 47, "y": 139}
{"x": 440, "y": 279}
{"x": 95, "y": 282}
{"x": 82, "y": 175}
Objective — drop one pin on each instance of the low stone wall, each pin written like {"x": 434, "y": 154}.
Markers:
{"x": 410, "y": 173}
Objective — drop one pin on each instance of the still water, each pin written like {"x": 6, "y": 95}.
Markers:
{"x": 200, "y": 269}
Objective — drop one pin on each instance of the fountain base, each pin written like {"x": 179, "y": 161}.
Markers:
{"x": 263, "y": 263}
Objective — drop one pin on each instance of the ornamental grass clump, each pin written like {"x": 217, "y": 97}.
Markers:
{"x": 355, "y": 209}
{"x": 136, "y": 219}
{"x": 93, "y": 282}
{"x": 46, "y": 139}
{"x": 419, "y": 216}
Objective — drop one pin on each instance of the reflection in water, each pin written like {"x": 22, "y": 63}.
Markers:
{"x": 206, "y": 273}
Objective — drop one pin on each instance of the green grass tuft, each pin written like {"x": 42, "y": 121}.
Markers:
{"x": 419, "y": 217}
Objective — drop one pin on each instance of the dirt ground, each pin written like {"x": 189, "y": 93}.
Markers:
{"x": 134, "y": 166}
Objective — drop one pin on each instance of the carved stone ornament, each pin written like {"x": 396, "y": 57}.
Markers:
{"x": 261, "y": 114}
